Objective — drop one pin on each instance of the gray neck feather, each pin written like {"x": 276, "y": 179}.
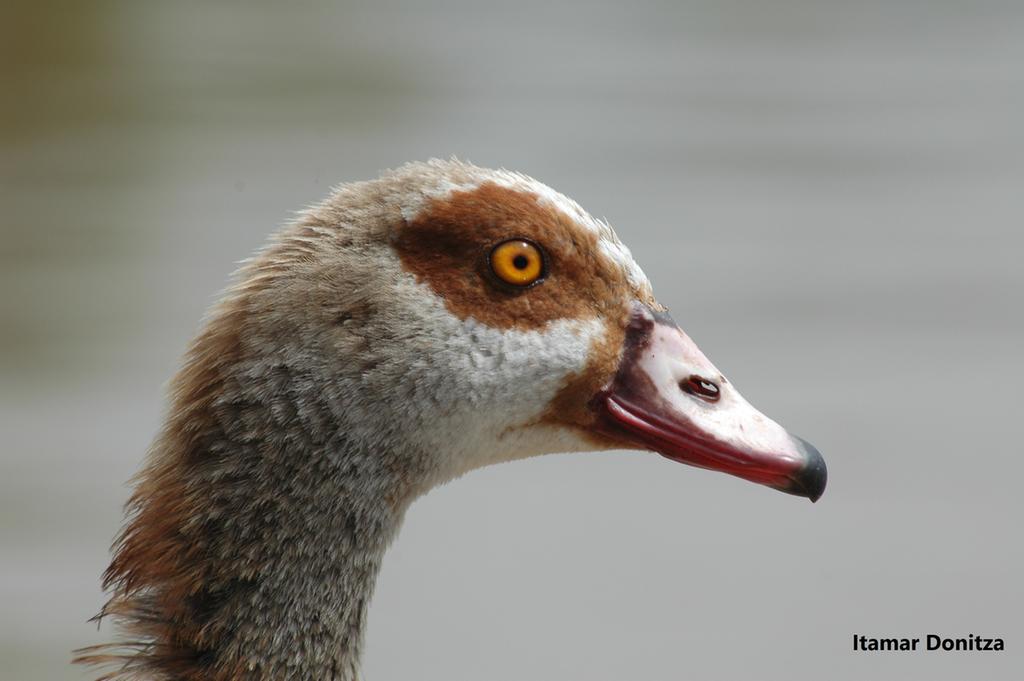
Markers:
{"x": 302, "y": 514}
{"x": 295, "y": 517}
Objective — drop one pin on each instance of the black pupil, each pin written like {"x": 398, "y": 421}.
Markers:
{"x": 520, "y": 262}
{"x": 702, "y": 387}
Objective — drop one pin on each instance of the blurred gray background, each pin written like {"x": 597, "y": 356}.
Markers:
{"x": 828, "y": 195}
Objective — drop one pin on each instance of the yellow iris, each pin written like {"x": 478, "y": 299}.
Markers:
{"x": 517, "y": 262}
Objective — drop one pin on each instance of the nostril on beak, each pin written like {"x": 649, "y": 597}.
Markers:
{"x": 700, "y": 387}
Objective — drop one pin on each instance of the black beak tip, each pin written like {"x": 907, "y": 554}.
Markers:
{"x": 810, "y": 480}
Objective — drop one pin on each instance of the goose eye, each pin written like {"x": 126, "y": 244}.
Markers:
{"x": 518, "y": 262}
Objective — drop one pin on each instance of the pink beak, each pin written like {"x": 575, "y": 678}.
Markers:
{"x": 669, "y": 398}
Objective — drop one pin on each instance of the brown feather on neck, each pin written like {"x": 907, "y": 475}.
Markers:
{"x": 253, "y": 539}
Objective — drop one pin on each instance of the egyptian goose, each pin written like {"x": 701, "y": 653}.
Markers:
{"x": 403, "y": 332}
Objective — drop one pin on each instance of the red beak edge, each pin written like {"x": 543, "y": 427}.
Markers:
{"x": 669, "y": 398}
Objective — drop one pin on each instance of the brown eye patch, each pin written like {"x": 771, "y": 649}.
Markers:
{"x": 448, "y": 244}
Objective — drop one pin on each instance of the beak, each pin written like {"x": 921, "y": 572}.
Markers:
{"x": 667, "y": 397}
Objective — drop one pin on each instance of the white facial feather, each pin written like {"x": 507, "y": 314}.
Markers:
{"x": 490, "y": 387}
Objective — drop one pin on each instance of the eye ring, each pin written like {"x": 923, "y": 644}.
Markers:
{"x": 518, "y": 262}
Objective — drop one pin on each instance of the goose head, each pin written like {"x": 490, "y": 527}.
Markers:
{"x": 482, "y": 316}
{"x": 401, "y": 333}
